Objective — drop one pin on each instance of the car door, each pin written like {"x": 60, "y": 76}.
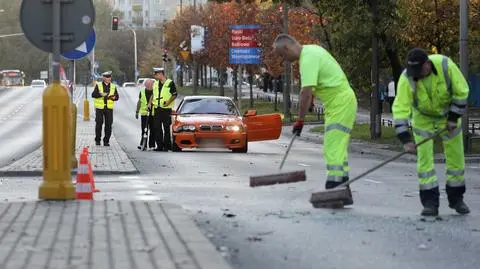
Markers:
{"x": 263, "y": 127}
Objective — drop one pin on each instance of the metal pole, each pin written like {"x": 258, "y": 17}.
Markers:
{"x": 464, "y": 64}
{"x": 286, "y": 89}
{"x": 374, "y": 110}
{"x": 56, "y": 41}
{"x": 135, "y": 53}
{"x": 72, "y": 70}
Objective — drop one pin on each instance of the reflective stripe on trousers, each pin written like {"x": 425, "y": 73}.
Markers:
{"x": 455, "y": 162}
{"x": 339, "y": 120}
{"x": 336, "y": 141}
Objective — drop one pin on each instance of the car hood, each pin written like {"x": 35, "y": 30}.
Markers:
{"x": 208, "y": 119}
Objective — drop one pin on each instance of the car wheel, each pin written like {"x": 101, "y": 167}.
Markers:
{"x": 241, "y": 150}
{"x": 175, "y": 147}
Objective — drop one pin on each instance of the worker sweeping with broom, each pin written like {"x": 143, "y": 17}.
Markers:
{"x": 433, "y": 91}
{"x": 321, "y": 76}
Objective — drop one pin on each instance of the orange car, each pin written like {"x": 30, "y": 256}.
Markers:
{"x": 215, "y": 122}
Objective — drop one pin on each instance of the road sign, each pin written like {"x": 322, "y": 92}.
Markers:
{"x": 36, "y": 18}
{"x": 43, "y": 74}
{"x": 184, "y": 54}
{"x": 244, "y": 49}
{"x": 83, "y": 50}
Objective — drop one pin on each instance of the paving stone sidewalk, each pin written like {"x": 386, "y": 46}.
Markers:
{"x": 102, "y": 234}
{"x": 105, "y": 160}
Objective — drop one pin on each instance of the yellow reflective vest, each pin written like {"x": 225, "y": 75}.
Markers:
{"x": 159, "y": 97}
{"x": 144, "y": 103}
{"x": 99, "y": 102}
{"x": 434, "y": 96}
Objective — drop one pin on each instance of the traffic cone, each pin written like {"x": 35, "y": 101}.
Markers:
{"x": 90, "y": 174}
{"x": 90, "y": 171}
{"x": 84, "y": 184}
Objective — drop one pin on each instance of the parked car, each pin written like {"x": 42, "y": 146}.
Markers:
{"x": 216, "y": 122}
{"x": 129, "y": 85}
{"x": 141, "y": 81}
{"x": 38, "y": 83}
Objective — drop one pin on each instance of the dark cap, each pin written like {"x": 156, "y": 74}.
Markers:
{"x": 415, "y": 59}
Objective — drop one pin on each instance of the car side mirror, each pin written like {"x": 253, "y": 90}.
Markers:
{"x": 250, "y": 113}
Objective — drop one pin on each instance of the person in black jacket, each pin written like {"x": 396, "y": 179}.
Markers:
{"x": 105, "y": 94}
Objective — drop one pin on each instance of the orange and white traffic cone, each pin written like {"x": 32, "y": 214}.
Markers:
{"x": 90, "y": 174}
{"x": 84, "y": 184}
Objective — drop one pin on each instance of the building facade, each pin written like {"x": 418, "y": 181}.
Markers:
{"x": 145, "y": 13}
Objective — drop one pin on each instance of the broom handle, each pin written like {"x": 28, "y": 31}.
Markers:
{"x": 390, "y": 160}
{"x": 288, "y": 150}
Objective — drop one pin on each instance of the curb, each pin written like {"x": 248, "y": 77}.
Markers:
{"x": 39, "y": 173}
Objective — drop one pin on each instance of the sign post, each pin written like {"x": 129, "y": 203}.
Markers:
{"x": 46, "y": 28}
{"x": 244, "y": 50}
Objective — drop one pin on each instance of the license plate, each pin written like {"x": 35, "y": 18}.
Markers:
{"x": 210, "y": 142}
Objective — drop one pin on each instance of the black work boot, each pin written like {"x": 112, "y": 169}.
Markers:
{"x": 455, "y": 199}
{"x": 461, "y": 208}
{"x": 431, "y": 201}
{"x": 430, "y": 211}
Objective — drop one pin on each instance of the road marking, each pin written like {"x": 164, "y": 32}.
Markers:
{"x": 304, "y": 165}
{"x": 129, "y": 177}
{"x": 145, "y": 192}
{"x": 139, "y": 186}
{"x": 373, "y": 181}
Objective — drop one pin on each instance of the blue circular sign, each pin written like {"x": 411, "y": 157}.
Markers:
{"x": 83, "y": 50}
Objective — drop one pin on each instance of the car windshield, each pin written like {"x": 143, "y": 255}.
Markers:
{"x": 208, "y": 106}
{"x": 37, "y": 83}
{"x": 129, "y": 85}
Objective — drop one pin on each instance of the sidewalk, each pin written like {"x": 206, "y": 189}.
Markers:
{"x": 371, "y": 149}
{"x": 102, "y": 234}
{"x": 105, "y": 160}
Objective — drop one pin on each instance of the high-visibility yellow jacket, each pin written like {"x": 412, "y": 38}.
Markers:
{"x": 442, "y": 94}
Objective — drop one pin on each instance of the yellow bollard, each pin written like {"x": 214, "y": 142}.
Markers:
{"x": 86, "y": 110}
{"x": 57, "y": 135}
{"x": 74, "y": 136}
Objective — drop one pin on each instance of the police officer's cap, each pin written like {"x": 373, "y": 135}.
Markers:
{"x": 107, "y": 74}
{"x": 158, "y": 69}
{"x": 415, "y": 59}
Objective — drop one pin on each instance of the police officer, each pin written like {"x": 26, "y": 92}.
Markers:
{"x": 146, "y": 113}
{"x": 322, "y": 76}
{"x": 163, "y": 101}
{"x": 434, "y": 92}
{"x": 105, "y": 94}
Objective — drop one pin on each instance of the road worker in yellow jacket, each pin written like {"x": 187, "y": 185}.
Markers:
{"x": 433, "y": 93}
{"x": 321, "y": 76}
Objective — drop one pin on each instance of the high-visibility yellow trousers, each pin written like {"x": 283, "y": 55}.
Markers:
{"x": 339, "y": 122}
{"x": 424, "y": 127}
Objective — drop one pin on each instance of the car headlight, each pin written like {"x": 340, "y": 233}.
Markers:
{"x": 186, "y": 128}
{"x": 234, "y": 128}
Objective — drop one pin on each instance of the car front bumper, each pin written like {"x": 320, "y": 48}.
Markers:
{"x": 228, "y": 140}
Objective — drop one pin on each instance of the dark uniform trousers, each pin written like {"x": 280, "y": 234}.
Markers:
{"x": 163, "y": 121}
{"x": 148, "y": 120}
{"x": 101, "y": 116}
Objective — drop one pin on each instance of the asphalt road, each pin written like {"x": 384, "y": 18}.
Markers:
{"x": 20, "y": 122}
{"x": 276, "y": 227}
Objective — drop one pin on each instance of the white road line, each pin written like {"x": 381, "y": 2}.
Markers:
{"x": 129, "y": 177}
{"x": 373, "y": 181}
{"x": 304, "y": 165}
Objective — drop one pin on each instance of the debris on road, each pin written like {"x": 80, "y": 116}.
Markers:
{"x": 371, "y": 230}
{"x": 229, "y": 215}
{"x": 422, "y": 246}
{"x": 254, "y": 239}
